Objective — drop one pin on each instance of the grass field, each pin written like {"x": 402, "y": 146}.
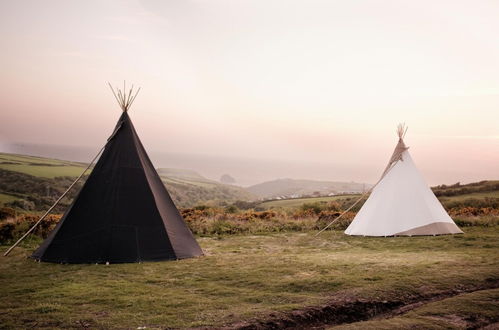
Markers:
{"x": 4, "y": 198}
{"x": 30, "y": 176}
{"x": 477, "y": 195}
{"x": 246, "y": 277}
{"x": 297, "y": 202}
{"x": 40, "y": 167}
{"x": 183, "y": 181}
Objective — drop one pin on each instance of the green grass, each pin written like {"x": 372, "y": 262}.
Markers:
{"x": 45, "y": 171}
{"x": 297, "y": 202}
{"x": 477, "y": 195}
{"x": 4, "y": 157}
{"x": 40, "y": 167}
{"x": 186, "y": 188}
{"x": 4, "y": 198}
{"x": 287, "y": 204}
{"x": 189, "y": 181}
{"x": 240, "y": 277}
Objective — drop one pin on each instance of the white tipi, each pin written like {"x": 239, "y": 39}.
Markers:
{"x": 401, "y": 203}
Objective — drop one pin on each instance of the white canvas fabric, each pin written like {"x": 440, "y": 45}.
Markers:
{"x": 402, "y": 204}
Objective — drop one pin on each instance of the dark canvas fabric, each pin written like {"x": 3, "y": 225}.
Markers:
{"x": 123, "y": 213}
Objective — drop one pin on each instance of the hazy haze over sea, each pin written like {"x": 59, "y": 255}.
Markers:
{"x": 247, "y": 171}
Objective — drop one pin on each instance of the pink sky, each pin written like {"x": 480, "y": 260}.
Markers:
{"x": 321, "y": 82}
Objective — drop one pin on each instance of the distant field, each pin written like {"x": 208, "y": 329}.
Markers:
{"x": 194, "y": 182}
{"x": 297, "y": 202}
{"x": 251, "y": 278}
{"x": 478, "y": 195}
{"x": 4, "y": 198}
{"x": 40, "y": 167}
{"x": 30, "y": 176}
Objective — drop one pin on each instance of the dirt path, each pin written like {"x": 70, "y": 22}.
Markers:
{"x": 342, "y": 309}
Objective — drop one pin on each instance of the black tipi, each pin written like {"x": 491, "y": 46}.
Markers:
{"x": 123, "y": 213}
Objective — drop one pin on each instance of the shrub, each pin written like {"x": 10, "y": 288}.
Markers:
{"x": 487, "y": 202}
{"x": 208, "y": 221}
{"x": 231, "y": 209}
{"x": 482, "y": 221}
{"x": 7, "y": 212}
{"x": 316, "y": 208}
{"x": 7, "y": 229}
{"x": 326, "y": 217}
{"x": 14, "y": 228}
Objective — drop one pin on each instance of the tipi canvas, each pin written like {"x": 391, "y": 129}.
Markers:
{"x": 401, "y": 203}
{"x": 123, "y": 213}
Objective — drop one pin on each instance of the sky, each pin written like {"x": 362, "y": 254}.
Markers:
{"x": 315, "y": 88}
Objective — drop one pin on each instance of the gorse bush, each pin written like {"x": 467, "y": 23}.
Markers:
{"x": 213, "y": 221}
{"x": 479, "y": 221}
{"x": 229, "y": 226}
{"x": 315, "y": 208}
{"x": 218, "y": 221}
{"x": 332, "y": 206}
{"x": 327, "y": 217}
{"x": 7, "y": 212}
{"x": 12, "y": 228}
{"x": 473, "y": 211}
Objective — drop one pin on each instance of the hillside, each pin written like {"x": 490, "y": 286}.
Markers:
{"x": 470, "y": 189}
{"x": 39, "y": 166}
{"x": 476, "y": 194}
{"x": 189, "y": 188}
{"x": 34, "y": 183}
{"x": 299, "y": 188}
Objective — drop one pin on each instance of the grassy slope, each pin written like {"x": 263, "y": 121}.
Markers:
{"x": 296, "y": 203}
{"x": 186, "y": 187}
{"x": 4, "y": 198}
{"x": 477, "y": 195}
{"x": 241, "y": 277}
{"x": 288, "y": 187}
{"x": 41, "y": 167}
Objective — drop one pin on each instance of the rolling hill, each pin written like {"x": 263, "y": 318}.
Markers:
{"x": 478, "y": 194}
{"x": 188, "y": 188}
{"x": 39, "y": 166}
{"x": 34, "y": 183}
{"x": 298, "y": 188}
